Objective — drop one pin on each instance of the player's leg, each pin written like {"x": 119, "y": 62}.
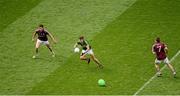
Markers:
{"x": 38, "y": 43}
{"x": 96, "y": 60}
{"x": 170, "y": 66}
{"x": 158, "y": 70}
{"x": 83, "y": 57}
{"x": 172, "y": 69}
{"x": 157, "y": 66}
{"x": 50, "y": 49}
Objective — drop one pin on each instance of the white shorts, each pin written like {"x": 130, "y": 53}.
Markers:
{"x": 89, "y": 52}
{"x": 39, "y": 42}
{"x": 166, "y": 61}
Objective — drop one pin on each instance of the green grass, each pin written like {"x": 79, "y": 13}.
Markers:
{"x": 66, "y": 25}
{"x": 165, "y": 85}
{"x": 121, "y": 33}
{"x": 14, "y": 9}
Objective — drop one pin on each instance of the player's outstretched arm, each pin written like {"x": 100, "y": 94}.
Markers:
{"x": 88, "y": 48}
{"x": 166, "y": 49}
{"x": 33, "y": 36}
{"x": 153, "y": 49}
{"x": 75, "y": 45}
{"x": 51, "y": 36}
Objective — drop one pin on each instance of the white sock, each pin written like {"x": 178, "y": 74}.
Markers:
{"x": 174, "y": 72}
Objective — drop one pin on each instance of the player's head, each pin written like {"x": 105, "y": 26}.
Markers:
{"x": 81, "y": 38}
{"x": 158, "y": 40}
{"x": 41, "y": 27}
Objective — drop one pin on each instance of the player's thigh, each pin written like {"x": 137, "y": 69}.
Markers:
{"x": 166, "y": 61}
{"x": 47, "y": 44}
{"x": 157, "y": 61}
{"x": 93, "y": 56}
{"x": 38, "y": 43}
{"x": 83, "y": 55}
{"x": 91, "y": 52}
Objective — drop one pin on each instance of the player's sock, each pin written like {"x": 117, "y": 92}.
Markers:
{"x": 88, "y": 60}
{"x": 174, "y": 74}
{"x": 98, "y": 63}
{"x": 50, "y": 49}
{"x": 36, "y": 54}
{"x": 159, "y": 74}
{"x": 37, "y": 51}
{"x": 101, "y": 66}
{"x": 53, "y": 54}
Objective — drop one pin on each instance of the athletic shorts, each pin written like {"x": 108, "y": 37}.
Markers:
{"x": 89, "y": 52}
{"x": 41, "y": 42}
{"x": 166, "y": 61}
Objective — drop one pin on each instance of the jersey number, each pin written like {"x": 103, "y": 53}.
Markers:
{"x": 159, "y": 48}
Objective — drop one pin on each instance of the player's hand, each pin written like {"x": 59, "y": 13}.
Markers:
{"x": 33, "y": 40}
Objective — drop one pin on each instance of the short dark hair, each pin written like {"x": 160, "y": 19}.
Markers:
{"x": 41, "y": 25}
{"x": 158, "y": 39}
{"x": 81, "y": 37}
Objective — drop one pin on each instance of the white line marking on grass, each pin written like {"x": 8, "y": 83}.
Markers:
{"x": 145, "y": 84}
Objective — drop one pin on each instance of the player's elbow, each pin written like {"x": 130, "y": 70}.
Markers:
{"x": 87, "y": 47}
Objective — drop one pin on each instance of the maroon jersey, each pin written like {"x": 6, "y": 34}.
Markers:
{"x": 159, "y": 49}
{"x": 42, "y": 34}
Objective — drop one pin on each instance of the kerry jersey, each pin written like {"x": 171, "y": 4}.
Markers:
{"x": 84, "y": 44}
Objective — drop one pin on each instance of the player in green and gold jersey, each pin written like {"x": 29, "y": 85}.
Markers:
{"x": 87, "y": 49}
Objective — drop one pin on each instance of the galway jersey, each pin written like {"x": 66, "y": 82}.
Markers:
{"x": 159, "y": 49}
{"x": 42, "y": 35}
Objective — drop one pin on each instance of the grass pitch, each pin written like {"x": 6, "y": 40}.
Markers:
{"x": 121, "y": 33}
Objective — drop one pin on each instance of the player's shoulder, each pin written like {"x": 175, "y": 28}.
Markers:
{"x": 164, "y": 44}
{"x": 37, "y": 30}
{"x": 78, "y": 41}
{"x": 45, "y": 30}
{"x": 86, "y": 41}
{"x": 154, "y": 44}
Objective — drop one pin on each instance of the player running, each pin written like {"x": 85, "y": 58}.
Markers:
{"x": 86, "y": 49}
{"x": 42, "y": 39}
{"x": 160, "y": 50}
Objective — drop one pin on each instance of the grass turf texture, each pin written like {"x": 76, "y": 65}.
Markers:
{"x": 126, "y": 54}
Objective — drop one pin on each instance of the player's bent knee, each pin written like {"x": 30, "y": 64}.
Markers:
{"x": 82, "y": 57}
{"x": 48, "y": 45}
{"x": 36, "y": 47}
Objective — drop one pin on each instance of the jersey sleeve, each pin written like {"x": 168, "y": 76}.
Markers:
{"x": 78, "y": 43}
{"x": 87, "y": 43}
{"x": 165, "y": 47}
{"x": 46, "y": 31}
{"x": 36, "y": 30}
{"x": 153, "y": 48}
